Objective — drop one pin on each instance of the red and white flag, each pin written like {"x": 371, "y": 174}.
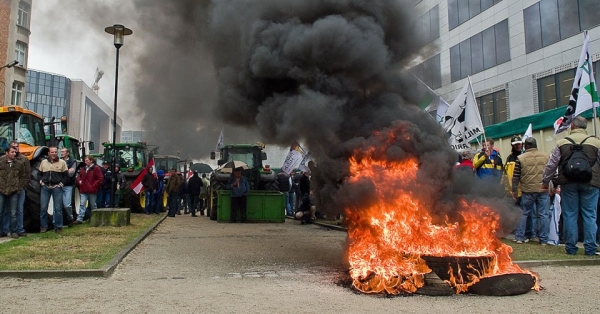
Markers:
{"x": 137, "y": 186}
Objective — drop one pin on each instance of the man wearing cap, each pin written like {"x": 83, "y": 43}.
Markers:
{"x": 528, "y": 172}
{"x": 239, "y": 186}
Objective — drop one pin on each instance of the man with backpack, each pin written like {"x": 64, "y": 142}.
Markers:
{"x": 576, "y": 158}
{"x": 527, "y": 174}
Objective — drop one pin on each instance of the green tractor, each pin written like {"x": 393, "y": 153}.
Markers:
{"x": 131, "y": 157}
{"x": 260, "y": 177}
{"x": 164, "y": 163}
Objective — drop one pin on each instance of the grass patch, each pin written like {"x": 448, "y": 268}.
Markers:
{"x": 79, "y": 247}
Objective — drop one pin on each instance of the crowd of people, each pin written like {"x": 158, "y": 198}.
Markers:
{"x": 558, "y": 193}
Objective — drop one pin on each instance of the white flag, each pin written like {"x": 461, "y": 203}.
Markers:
{"x": 462, "y": 121}
{"x": 441, "y": 110}
{"x": 584, "y": 95}
{"x": 528, "y": 133}
{"x": 293, "y": 158}
{"x": 220, "y": 142}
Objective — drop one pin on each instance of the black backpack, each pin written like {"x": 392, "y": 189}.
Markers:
{"x": 578, "y": 167}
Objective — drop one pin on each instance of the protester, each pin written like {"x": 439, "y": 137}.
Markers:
{"x": 149, "y": 184}
{"x": 103, "y": 195}
{"x": 304, "y": 183}
{"x": 194, "y": 186}
{"x": 488, "y": 163}
{"x": 184, "y": 196}
{"x": 239, "y": 186}
{"x": 283, "y": 181}
{"x": 120, "y": 186}
{"x": 158, "y": 192}
{"x": 578, "y": 198}
{"x": 466, "y": 162}
{"x": 306, "y": 211}
{"x": 5, "y": 219}
{"x": 291, "y": 199}
{"x": 89, "y": 179}
{"x": 296, "y": 183}
{"x": 173, "y": 190}
{"x": 204, "y": 190}
{"x": 67, "y": 190}
{"x": 555, "y": 212}
{"x": 53, "y": 174}
{"x": 528, "y": 172}
{"x": 13, "y": 177}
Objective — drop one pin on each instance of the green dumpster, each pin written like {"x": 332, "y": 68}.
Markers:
{"x": 263, "y": 206}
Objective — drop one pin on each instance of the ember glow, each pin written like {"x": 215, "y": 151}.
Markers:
{"x": 388, "y": 239}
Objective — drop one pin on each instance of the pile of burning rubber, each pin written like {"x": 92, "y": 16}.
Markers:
{"x": 394, "y": 245}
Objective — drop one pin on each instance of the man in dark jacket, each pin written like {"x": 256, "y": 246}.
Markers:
{"x": 21, "y": 202}
{"x": 194, "y": 186}
{"x": 53, "y": 174}
{"x": 239, "y": 186}
{"x": 13, "y": 176}
{"x": 172, "y": 189}
{"x": 149, "y": 183}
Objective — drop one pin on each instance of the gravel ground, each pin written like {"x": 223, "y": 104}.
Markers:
{"x": 194, "y": 265}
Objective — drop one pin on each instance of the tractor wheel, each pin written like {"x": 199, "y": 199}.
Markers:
{"x": 31, "y": 211}
{"x": 130, "y": 199}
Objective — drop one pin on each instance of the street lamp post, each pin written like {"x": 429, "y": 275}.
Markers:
{"x": 119, "y": 32}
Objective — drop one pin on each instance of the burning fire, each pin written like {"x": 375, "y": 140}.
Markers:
{"x": 391, "y": 238}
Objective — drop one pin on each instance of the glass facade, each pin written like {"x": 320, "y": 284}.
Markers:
{"x": 48, "y": 94}
{"x": 493, "y": 108}
{"x": 429, "y": 72}
{"x": 549, "y": 21}
{"x": 460, "y": 11}
{"x": 555, "y": 90}
{"x": 480, "y": 52}
{"x": 427, "y": 27}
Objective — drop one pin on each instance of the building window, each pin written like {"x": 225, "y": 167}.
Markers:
{"x": 23, "y": 15}
{"x": 429, "y": 72}
{"x": 555, "y": 90}
{"x": 493, "y": 108}
{"x": 427, "y": 27}
{"x": 460, "y": 11}
{"x": 17, "y": 94}
{"x": 480, "y": 52}
{"x": 550, "y": 21}
{"x": 21, "y": 53}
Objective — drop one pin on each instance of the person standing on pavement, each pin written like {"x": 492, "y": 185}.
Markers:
{"x": 239, "y": 186}
{"x": 53, "y": 174}
{"x": 89, "y": 180}
{"x": 578, "y": 198}
{"x": 149, "y": 184}
{"x": 194, "y": 186}
{"x": 204, "y": 195}
{"x": 528, "y": 170}
{"x": 67, "y": 190}
{"x": 13, "y": 176}
{"x": 172, "y": 189}
{"x": 21, "y": 202}
{"x": 283, "y": 181}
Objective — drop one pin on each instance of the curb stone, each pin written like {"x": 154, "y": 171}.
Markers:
{"x": 104, "y": 271}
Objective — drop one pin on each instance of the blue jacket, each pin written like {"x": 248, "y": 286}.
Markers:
{"x": 487, "y": 168}
{"x": 241, "y": 190}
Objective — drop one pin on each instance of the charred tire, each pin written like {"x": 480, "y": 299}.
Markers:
{"x": 31, "y": 211}
{"x": 130, "y": 199}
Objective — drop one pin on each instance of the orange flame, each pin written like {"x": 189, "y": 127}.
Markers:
{"x": 388, "y": 238}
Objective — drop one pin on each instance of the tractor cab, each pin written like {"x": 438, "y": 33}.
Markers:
{"x": 130, "y": 156}
{"x": 26, "y": 126}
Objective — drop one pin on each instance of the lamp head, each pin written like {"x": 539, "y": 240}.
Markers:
{"x": 119, "y": 31}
